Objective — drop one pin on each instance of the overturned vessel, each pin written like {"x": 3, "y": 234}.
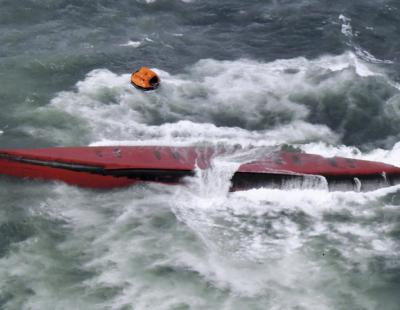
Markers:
{"x": 110, "y": 167}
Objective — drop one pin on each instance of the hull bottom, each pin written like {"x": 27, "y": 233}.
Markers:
{"x": 110, "y": 167}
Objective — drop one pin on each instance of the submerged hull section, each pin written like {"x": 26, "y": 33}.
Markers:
{"x": 109, "y": 167}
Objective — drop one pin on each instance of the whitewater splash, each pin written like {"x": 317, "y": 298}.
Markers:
{"x": 285, "y": 101}
{"x": 347, "y": 30}
{"x": 198, "y": 246}
{"x": 257, "y": 243}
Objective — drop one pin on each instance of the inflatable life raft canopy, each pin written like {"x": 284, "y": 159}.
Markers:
{"x": 145, "y": 79}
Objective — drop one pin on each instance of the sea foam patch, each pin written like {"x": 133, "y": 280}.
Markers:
{"x": 280, "y": 99}
{"x": 133, "y": 44}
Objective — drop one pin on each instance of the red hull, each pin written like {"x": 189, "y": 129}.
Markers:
{"x": 109, "y": 167}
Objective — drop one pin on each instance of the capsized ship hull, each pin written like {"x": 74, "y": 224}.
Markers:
{"x": 110, "y": 167}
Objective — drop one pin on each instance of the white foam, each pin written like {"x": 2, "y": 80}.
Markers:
{"x": 233, "y": 242}
{"x": 253, "y": 245}
{"x": 260, "y": 98}
{"x": 347, "y": 30}
{"x": 184, "y": 1}
{"x": 323, "y": 149}
{"x": 130, "y": 43}
{"x": 363, "y": 54}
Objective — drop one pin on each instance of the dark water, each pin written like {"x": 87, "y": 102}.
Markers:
{"x": 319, "y": 75}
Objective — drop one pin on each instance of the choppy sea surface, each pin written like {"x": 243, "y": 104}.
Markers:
{"x": 319, "y": 75}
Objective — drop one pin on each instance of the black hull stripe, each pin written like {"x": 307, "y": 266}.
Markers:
{"x": 157, "y": 175}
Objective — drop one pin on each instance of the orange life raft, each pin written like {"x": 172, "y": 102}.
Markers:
{"x": 145, "y": 79}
